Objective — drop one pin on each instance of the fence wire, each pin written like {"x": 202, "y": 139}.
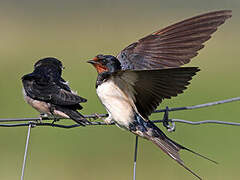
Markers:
{"x": 33, "y": 122}
{"x": 36, "y": 121}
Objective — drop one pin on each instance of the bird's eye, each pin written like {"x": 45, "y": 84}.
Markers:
{"x": 104, "y": 61}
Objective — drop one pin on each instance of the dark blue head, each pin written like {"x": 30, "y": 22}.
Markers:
{"x": 50, "y": 62}
{"x": 46, "y": 69}
{"x": 105, "y": 63}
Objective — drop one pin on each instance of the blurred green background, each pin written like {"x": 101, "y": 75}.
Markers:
{"x": 75, "y": 31}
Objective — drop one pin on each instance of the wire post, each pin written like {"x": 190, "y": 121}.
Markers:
{"x": 32, "y": 122}
{"x": 135, "y": 158}
{"x": 26, "y": 149}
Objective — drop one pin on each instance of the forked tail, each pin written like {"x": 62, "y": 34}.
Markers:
{"x": 172, "y": 149}
{"x": 151, "y": 132}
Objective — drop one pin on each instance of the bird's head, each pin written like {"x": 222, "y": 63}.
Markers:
{"x": 50, "y": 62}
{"x": 105, "y": 63}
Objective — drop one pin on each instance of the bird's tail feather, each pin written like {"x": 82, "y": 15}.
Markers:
{"x": 78, "y": 117}
{"x": 169, "y": 146}
{"x": 74, "y": 115}
{"x": 173, "y": 151}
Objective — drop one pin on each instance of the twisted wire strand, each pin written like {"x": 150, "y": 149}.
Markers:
{"x": 35, "y": 121}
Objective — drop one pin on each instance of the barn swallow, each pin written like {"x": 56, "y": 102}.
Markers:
{"x": 133, "y": 84}
{"x": 46, "y": 91}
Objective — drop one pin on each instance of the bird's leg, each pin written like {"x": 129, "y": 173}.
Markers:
{"x": 41, "y": 117}
{"x": 96, "y": 116}
{"x": 166, "y": 121}
{"x": 55, "y": 119}
{"x": 109, "y": 119}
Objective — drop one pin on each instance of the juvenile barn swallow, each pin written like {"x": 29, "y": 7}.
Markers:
{"x": 133, "y": 84}
{"x": 46, "y": 91}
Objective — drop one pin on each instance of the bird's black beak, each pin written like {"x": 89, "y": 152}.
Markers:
{"x": 92, "y": 62}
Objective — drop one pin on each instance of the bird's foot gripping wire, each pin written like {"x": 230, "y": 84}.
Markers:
{"x": 41, "y": 117}
{"x": 108, "y": 120}
{"x": 167, "y": 123}
{"x": 55, "y": 119}
{"x": 96, "y": 116}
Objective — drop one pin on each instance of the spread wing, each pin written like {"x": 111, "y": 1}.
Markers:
{"x": 149, "y": 87}
{"x": 52, "y": 92}
{"x": 174, "y": 45}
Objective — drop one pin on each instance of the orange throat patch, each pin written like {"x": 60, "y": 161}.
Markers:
{"x": 100, "y": 68}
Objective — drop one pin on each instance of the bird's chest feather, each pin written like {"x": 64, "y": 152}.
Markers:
{"x": 40, "y": 106}
{"x": 116, "y": 102}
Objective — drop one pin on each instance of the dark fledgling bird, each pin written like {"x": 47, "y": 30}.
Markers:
{"x": 133, "y": 84}
{"x": 46, "y": 91}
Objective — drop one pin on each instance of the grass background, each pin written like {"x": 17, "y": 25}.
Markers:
{"x": 75, "y": 31}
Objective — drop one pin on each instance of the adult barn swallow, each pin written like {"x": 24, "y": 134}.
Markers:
{"x": 46, "y": 91}
{"x": 133, "y": 84}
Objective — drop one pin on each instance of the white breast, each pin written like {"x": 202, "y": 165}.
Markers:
{"x": 40, "y": 106}
{"x": 43, "y": 107}
{"x": 116, "y": 102}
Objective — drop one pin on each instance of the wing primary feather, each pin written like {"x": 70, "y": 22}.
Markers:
{"x": 174, "y": 45}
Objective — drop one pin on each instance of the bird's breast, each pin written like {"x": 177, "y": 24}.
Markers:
{"x": 40, "y": 106}
{"x": 116, "y": 102}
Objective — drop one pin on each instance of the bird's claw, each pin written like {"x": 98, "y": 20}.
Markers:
{"x": 41, "y": 117}
{"x": 54, "y": 120}
{"x": 170, "y": 127}
{"x": 96, "y": 116}
{"x": 108, "y": 120}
